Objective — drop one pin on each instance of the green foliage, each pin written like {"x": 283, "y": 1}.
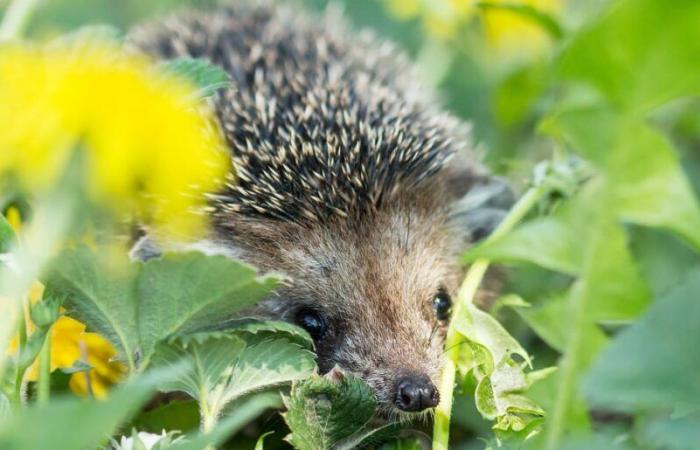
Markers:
{"x": 136, "y": 305}
{"x": 227, "y": 366}
{"x": 207, "y": 77}
{"x": 487, "y": 353}
{"x": 7, "y": 235}
{"x": 653, "y": 364}
{"x": 333, "y": 412}
{"x": 97, "y": 419}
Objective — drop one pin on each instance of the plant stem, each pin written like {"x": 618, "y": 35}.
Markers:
{"x": 467, "y": 291}
{"x": 17, "y": 399}
{"x": 44, "y": 382}
{"x": 16, "y": 18}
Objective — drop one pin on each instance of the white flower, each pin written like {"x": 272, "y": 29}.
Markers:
{"x": 149, "y": 440}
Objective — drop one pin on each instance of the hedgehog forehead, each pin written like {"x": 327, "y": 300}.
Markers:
{"x": 388, "y": 268}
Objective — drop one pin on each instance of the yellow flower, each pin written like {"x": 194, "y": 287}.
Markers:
{"x": 511, "y": 32}
{"x": 146, "y": 144}
{"x": 506, "y": 30}
{"x": 441, "y": 18}
{"x": 70, "y": 344}
{"x": 13, "y": 218}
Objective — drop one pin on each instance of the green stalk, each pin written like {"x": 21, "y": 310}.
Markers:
{"x": 17, "y": 398}
{"x": 16, "y": 18}
{"x": 467, "y": 291}
{"x": 44, "y": 382}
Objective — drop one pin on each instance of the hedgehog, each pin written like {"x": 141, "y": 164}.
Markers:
{"x": 349, "y": 179}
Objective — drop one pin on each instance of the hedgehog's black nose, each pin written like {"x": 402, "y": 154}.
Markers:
{"x": 416, "y": 393}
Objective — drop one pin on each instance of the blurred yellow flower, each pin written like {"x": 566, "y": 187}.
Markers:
{"x": 147, "y": 145}
{"x": 506, "y": 29}
{"x": 441, "y": 18}
{"x": 70, "y": 344}
{"x": 13, "y": 218}
{"x": 510, "y": 31}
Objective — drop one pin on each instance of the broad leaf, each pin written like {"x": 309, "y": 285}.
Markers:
{"x": 644, "y": 179}
{"x": 324, "y": 412}
{"x": 227, "y": 366}
{"x": 639, "y": 53}
{"x": 654, "y": 364}
{"x": 135, "y": 305}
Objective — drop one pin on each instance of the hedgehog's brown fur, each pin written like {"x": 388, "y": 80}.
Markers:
{"x": 342, "y": 183}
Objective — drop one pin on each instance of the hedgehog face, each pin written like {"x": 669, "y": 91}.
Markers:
{"x": 375, "y": 296}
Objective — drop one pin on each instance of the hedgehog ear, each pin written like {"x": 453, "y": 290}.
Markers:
{"x": 479, "y": 201}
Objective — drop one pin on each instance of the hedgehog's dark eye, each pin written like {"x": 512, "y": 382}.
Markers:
{"x": 312, "y": 321}
{"x": 442, "y": 304}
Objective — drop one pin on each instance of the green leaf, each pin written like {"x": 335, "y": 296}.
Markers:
{"x": 501, "y": 381}
{"x": 97, "y": 419}
{"x": 260, "y": 442}
{"x": 226, "y": 367}
{"x": 206, "y": 76}
{"x": 99, "y": 294}
{"x": 370, "y": 437}
{"x": 653, "y": 365}
{"x": 644, "y": 179}
{"x": 177, "y": 415}
{"x": 136, "y": 305}
{"x": 184, "y": 292}
{"x": 674, "y": 434}
{"x": 556, "y": 244}
{"x": 5, "y": 407}
{"x": 635, "y": 64}
{"x": 268, "y": 328}
{"x": 7, "y": 235}
{"x": 324, "y": 411}
{"x": 246, "y": 410}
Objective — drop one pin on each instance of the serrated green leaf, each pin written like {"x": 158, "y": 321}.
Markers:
{"x": 206, "y": 76}
{"x": 226, "y": 367}
{"x": 135, "y": 305}
{"x": 266, "y": 327}
{"x": 323, "y": 411}
{"x": 99, "y": 297}
{"x": 184, "y": 292}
